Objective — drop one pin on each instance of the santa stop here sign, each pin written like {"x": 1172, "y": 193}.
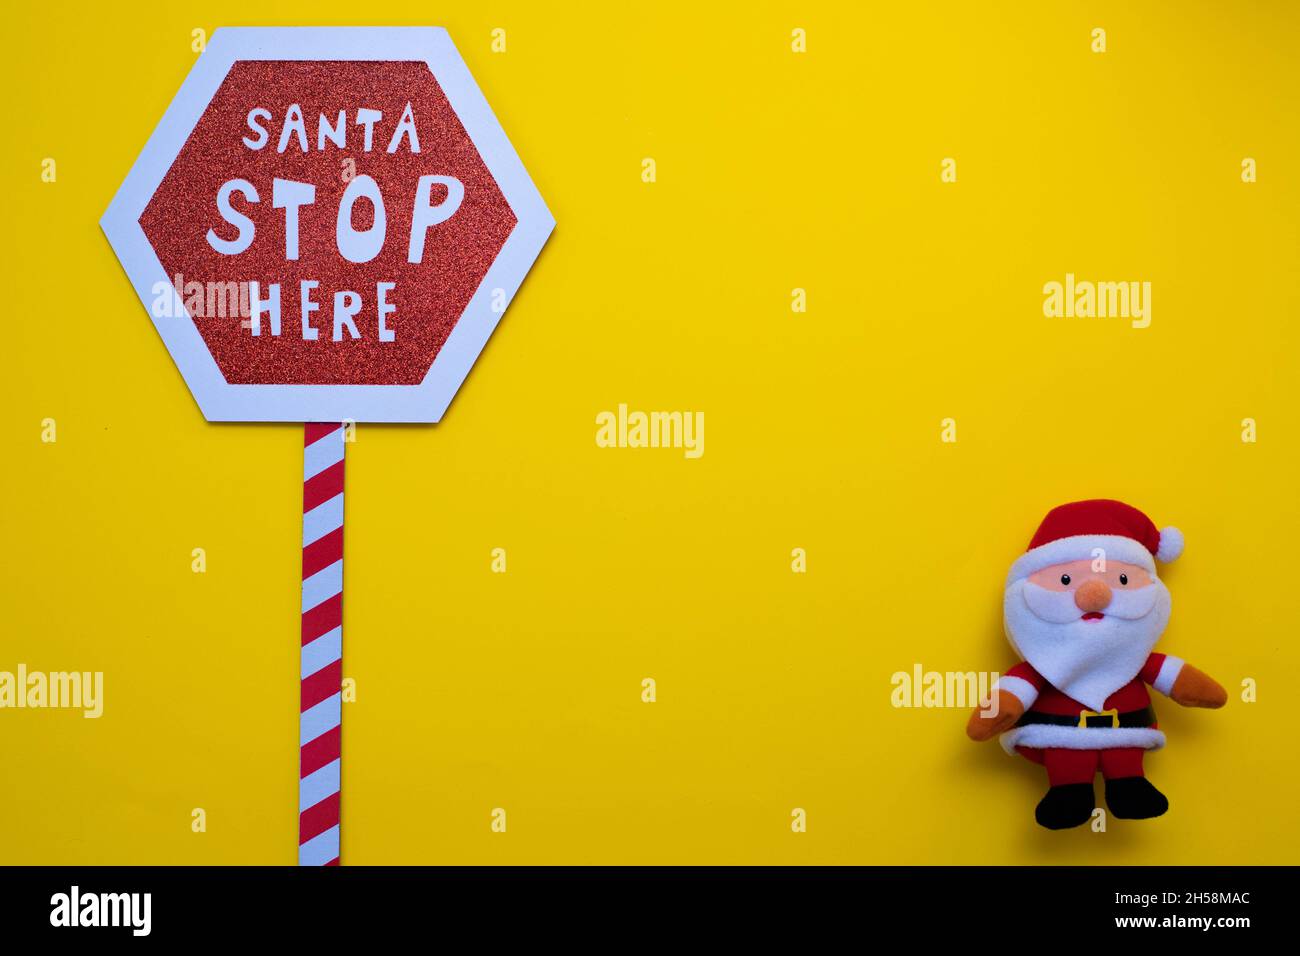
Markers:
{"x": 327, "y": 224}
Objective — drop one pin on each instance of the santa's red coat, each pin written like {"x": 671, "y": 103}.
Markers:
{"x": 1133, "y": 696}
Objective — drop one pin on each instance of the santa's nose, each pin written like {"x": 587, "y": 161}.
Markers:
{"x": 1092, "y": 595}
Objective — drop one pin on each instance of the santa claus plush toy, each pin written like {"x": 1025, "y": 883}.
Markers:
{"x": 1083, "y": 608}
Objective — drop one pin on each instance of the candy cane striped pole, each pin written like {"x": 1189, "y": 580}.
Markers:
{"x": 321, "y": 717}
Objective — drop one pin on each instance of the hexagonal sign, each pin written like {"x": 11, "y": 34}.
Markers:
{"x": 327, "y": 224}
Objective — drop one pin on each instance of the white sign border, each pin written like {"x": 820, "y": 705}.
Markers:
{"x": 426, "y": 402}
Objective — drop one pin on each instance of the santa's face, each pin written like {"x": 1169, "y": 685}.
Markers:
{"x": 1087, "y": 626}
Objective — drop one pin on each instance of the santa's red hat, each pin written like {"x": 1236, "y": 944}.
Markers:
{"x": 1077, "y": 531}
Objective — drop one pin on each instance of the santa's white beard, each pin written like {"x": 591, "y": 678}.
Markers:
{"x": 1086, "y": 660}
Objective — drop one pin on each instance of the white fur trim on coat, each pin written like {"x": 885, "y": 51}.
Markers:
{"x": 1169, "y": 671}
{"x": 1021, "y": 688}
{"x": 1081, "y": 738}
{"x": 1081, "y": 547}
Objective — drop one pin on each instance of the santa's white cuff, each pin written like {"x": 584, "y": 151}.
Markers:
{"x": 1169, "y": 672}
{"x": 1021, "y": 688}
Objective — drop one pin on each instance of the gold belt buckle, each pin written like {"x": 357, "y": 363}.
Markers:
{"x": 1113, "y": 714}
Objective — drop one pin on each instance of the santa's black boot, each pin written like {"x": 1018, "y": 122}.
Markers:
{"x": 1134, "y": 798}
{"x": 1068, "y": 805}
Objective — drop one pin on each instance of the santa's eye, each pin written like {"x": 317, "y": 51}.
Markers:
{"x": 1065, "y": 579}
{"x": 1123, "y": 579}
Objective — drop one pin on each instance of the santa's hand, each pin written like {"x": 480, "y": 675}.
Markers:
{"x": 1195, "y": 688}
{"x": 987, "y": 722}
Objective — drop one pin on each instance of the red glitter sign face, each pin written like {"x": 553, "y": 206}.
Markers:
{"x": 342, "y": 321}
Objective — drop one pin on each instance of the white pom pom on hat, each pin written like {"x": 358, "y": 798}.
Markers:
{"x": 1171, "y": 544}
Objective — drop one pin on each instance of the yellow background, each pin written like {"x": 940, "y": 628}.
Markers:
{"x": 523, "y": 690}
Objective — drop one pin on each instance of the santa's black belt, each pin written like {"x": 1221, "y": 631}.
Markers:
{"x": 1091, "y": 718}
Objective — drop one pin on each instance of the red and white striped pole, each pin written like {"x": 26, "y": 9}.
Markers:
{"x": 321, "y": 718}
